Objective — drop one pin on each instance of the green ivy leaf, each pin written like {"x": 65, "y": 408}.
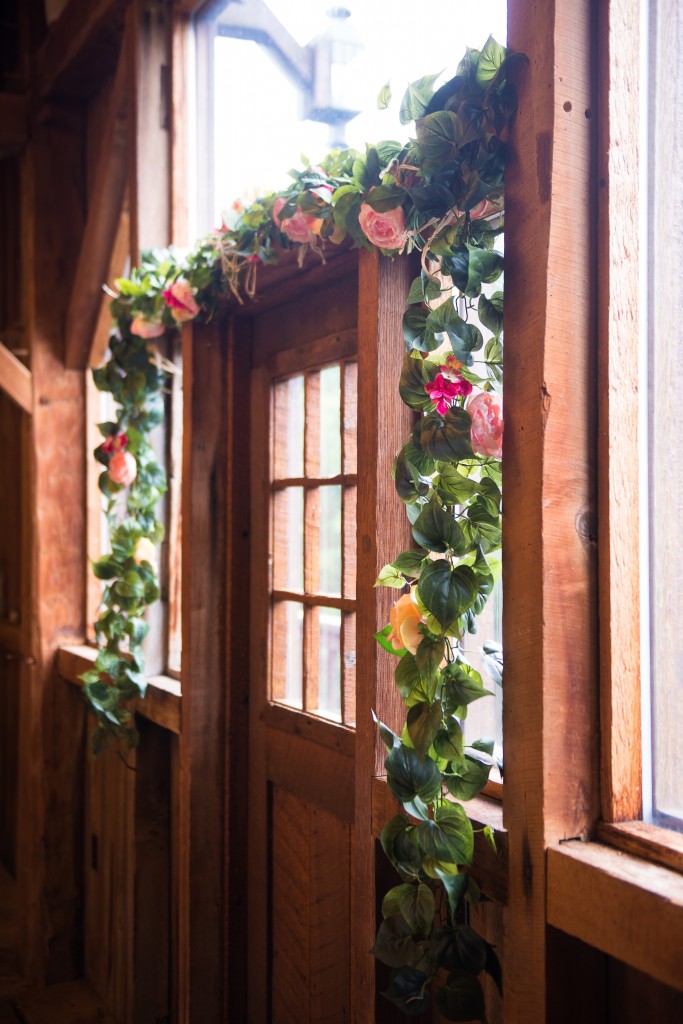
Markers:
{"x": 448, "y": 837}
{"x": 436, "y": 529}
{"x": 409, "y": 990}
{"x": 389, "y": 576}
{"x": 411, "y": 385}
{"x": 453, "y": 487}
{"x": 446, "y": 592}
{"x": 463, "y": 684}
{"x": 461, "y": 998}
{"x": 408, "y": 776}
{"x": 406, "y": 675}
{"x": 417, "y": 98}
{"x": 466, "y": 782}
{"x": 423, "y": 724}
{"x": 448, "y": 742}
{"x": 471, "y": 266}
{"x": 384, "y": 96}
{"x": 490, "y": 313}
{"x": 447, "y": 438}
{"x": 489, "y": 62}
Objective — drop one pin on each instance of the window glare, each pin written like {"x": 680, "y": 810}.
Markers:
{"x": 258, "y": 133}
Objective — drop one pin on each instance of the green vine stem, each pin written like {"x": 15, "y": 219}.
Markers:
{"x": 440, "y": 194}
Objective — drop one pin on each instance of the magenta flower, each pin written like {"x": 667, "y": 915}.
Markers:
{"x": 114, "y": 443}
{"x": 444, "y": 392}
{"x": 179, "y": 298}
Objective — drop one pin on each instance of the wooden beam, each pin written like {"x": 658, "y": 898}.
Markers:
{"x": 81, "y": 49}
{"x": 120, "y": 258}
{"x": 620, "y": 904}
{"x": 102, "y": 228}
{"x": 13, "y": 124}
{"x": 549, "y": 565}
{"x": 16, "y": 380}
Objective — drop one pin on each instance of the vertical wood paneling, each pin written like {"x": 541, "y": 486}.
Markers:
{"x": 330, "y": 885}
{"x": 550, "y": 628}
{"x": 383, "y": 531}
{"x": 291, "y": 909}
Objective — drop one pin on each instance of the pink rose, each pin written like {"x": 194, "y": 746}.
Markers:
{"x": 180, "y": 299}
{"x": 386, "y": 230}
{"x": 486, "y": 410}
{"x": 145, "y": 328}
{"x": 298, "y": 228}
{"x": 123, "y": 468}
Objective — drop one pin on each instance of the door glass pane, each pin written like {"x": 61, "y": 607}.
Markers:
{"x": 330, "y": 540}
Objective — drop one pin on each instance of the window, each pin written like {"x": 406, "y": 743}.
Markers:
{"x": 313, "y": 540}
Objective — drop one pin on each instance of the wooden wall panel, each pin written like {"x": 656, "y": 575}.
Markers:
{"x": 11, "y": 510}
{"x": 311, "y": 866}
{"x": 9, "y": 718}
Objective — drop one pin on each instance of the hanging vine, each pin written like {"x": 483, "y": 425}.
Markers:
{"x": 442, "y": 194}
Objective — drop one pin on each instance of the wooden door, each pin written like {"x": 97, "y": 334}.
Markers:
{"x": 302, "y": 686}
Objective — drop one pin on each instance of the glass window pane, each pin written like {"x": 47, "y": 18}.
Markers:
{"x": 330, "y": 408}
{"x": 330, "y": 540}
{"x": 288, "y": 428}
{"x": 329, "y": 663}
{"x": 287, "y": 645}
{"x": 288, "y": 539}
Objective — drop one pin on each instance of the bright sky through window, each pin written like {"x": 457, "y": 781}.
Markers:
{"x": 258, "y": 131}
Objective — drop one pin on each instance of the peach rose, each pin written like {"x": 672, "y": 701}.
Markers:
{"x": 386, "y": 230}
{"x": 486, "y": 410}
{"x": 181, "y": 301}
{"x": 298, "y": 228}
{"x": 145, "y": 328}
{"x": 404, "y": 619}
{"x": 145, "y": 551}
{"x": 123, "y": 468}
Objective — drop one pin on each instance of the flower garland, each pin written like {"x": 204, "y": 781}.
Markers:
{"x": 441, "y": 194}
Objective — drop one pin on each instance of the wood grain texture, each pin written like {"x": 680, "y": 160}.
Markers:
{"x": 659, "y": 845}
{"x": 202, "y": 758}
{"x": 16, "y": 380}
{"x": 13, "y": 124}
{"x": 640, "y": 918}
{"x": 382, "y": 531}
{"x": 81, "y": 49}
{"x": 549, "y": 572}
{"x": 50, "y": 756}
{"x": 102, "y": 226}
{"x": 312, "y": 772}
{"x": 618, "y": 486}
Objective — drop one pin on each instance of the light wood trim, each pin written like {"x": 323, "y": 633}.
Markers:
{"x": 619, "y": 326}
{"x": 346, "y": 604}
{"x": 162, "y": 703}
{"x": 549, "y": 573}
{"x": 13, "y": 124}
{"x": 120, "y": 257}
{"x": 104, "y": 215}
{"x": 312, "y": 355}
{"x": 16, "y": 380}
{"x": 659, "y": 845}
{"x": 313, "y": 481}
{"x": 619, "y": 904}
{"x": 331, "y": 735}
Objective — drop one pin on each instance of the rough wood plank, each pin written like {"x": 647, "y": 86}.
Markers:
{"x": 330, "y": 917}
{"x": 50, "y": 755}
{"x": 16, "y": 380}
{"x": 312, "y": 772}
{"x": 13, "y": 124}
{"x": 620, "y": 904}
{"x": 618, "y": 374}
{"x": 81, "y": 49}
{"x": 74, "y": 1002}
{"x": 662, "y": 846}
{"x": 204, "y": 657}
{"x": 382, "y": 531}
{"x": 549, "y": 629}
{"x": 104, "y": 217}
{"x": 327, "y": 734}
{"x": 291, "y": 952}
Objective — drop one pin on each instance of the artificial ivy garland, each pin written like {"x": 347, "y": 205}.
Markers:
{"x": 441, "y": 193}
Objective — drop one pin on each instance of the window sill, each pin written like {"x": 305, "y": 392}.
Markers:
{"x": 492, "y": 868}
{"x": 620, "y": 904}
{"x": 162, "y": 705}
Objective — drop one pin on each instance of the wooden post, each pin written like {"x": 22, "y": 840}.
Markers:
{"x": 52, "y": 717}
{"x": 549, "y": 570}
{"x": 383, "y": 531}
{"x": 203, "y": 735}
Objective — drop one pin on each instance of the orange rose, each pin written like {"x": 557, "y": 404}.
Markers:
{"x": 404, "y": 619}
